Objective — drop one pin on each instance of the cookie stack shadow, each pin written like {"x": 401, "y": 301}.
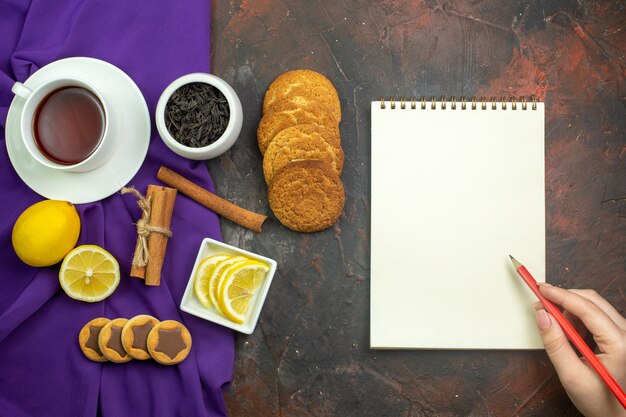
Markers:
{"x": 302, "y": 155}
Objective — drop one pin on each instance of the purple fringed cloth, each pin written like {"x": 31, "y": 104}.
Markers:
{"x": 42, "y": 369}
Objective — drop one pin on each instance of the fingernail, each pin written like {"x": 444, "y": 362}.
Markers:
{"x": 544, "y": 284}
{"x": 543, "y": 321}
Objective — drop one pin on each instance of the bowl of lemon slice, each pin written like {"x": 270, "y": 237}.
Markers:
{"x": 228, "y": 285}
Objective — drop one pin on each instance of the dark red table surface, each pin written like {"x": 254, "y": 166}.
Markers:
{"x": 309, "y": 355}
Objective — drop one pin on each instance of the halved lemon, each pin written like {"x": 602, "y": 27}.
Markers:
{"x": 240, "y": 284}
{"x": 89, "y": 273}
{"x": 202, "y": 279}
{"x": 216, "y": 277}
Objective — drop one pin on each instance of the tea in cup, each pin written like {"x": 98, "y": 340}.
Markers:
{"x": 65, "y": 124}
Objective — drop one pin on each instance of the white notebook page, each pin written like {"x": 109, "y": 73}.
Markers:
{"x": 454, "y": 192}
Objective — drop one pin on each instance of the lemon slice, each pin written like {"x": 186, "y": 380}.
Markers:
{"x": 240, "y": 283}
{"x": 203, "y": 278}
{"x": 216, "y": 277}
{"x": 89, "y": 273}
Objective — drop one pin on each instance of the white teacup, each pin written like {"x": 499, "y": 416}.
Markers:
{"x": 106, "y": 145}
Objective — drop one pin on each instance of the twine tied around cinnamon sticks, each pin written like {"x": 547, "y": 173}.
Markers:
{"x": 144, "y": 228}
{"x": 153, "y": 231}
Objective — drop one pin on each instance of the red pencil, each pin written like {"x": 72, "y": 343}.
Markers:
{"x": 571, "y": 333}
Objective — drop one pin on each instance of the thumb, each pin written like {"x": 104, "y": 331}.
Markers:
{"x": 561, "y": 354}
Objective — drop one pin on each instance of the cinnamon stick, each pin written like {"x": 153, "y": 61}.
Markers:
{"x": 224, "y": 208}
{"x": 163, "y": 199}
{"x": 140, "y": 271}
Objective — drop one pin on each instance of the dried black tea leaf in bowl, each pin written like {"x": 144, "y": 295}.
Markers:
{"x": 197, "y": 114}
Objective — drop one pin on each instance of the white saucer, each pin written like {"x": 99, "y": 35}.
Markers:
{"x": 133, "y": 124}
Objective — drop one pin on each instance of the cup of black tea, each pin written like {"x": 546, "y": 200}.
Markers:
{"x": 65, "y": 124}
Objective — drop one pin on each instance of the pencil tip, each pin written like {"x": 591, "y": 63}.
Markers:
{"x": 516, "y": 263}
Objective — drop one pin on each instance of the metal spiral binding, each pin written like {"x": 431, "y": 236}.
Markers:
{"x": 443, "y": 101}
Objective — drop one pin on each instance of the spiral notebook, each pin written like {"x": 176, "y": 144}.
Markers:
{"x": 456, "y": 187}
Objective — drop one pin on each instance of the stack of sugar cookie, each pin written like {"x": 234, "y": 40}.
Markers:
{"x": 301, "y": 146}
{"x": 142, "y": 337}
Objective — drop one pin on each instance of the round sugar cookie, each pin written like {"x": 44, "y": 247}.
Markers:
{"x": 88, "y": 339}
{"x": 169, "y": 342}
{"x": 135, "y": 336}
{"x": 308, "y": 129}
{"x": 289, "y": 114}
{"x": 303, "y": 84}
{"x": 297, "y": 144}
{"x": 307, "y": 196}
{"x": 110, "y": 341}
{"x": 306, "y": 98}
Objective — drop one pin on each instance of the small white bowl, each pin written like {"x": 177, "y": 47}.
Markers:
{"x": 224, "y": 142}
{"x": 190, "y": 303}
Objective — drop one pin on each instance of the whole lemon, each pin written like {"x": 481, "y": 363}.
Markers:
{"x": 45, "y": 232}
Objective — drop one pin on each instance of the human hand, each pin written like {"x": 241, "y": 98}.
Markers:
{"x": 583, "y": 385}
